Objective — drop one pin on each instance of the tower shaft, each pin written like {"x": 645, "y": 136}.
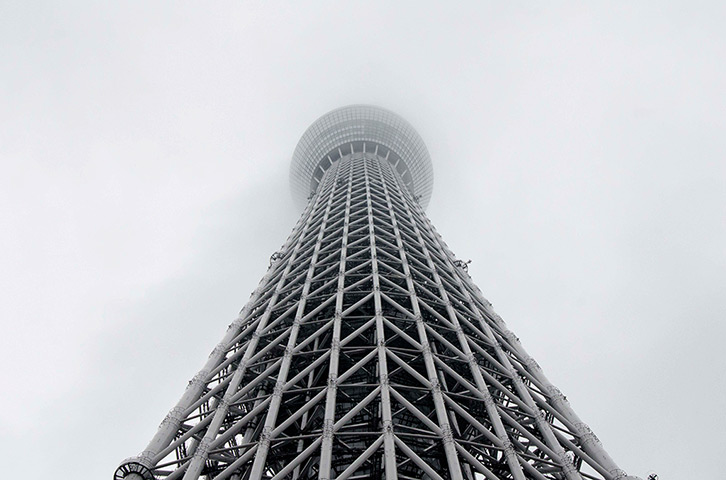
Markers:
{"x": 367, "y": 351}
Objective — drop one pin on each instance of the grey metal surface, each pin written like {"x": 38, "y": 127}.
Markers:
{"x": 367, "y": 352}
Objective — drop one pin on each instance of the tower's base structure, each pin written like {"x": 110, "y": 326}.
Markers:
{"x": 367, "y": 352}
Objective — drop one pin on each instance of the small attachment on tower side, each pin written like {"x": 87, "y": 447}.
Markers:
{"x": 312, "y": 194}
{"x": 133, "y": 469}
{"x": 276, "y": 257}
{"x": 462, "y": 265}
{"x": 417, "y": 198}
{"x": 653, "y": 476}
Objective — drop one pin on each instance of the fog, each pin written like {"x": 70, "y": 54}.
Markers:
{"x": 579, "y": 162}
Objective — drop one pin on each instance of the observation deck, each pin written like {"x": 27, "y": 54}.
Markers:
{"x": 361, "y": 128}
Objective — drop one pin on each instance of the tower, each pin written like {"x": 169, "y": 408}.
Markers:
{"x": 367, "y": 351}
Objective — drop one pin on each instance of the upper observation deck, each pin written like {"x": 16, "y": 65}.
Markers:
{"x": 358, "y": 128}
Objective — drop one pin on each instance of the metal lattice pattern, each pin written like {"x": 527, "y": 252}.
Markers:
{"x": 367, "y": 352}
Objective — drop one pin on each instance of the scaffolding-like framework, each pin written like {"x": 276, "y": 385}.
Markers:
{"x": 366, "y": 351}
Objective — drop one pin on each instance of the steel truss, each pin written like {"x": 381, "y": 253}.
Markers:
{"x": 367, "y": 352}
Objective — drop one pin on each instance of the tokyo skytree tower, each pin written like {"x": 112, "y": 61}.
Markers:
{"x": 366, "y": 351}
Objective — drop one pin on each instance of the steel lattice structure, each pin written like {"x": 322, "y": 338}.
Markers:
{"x": 367, "y": 351}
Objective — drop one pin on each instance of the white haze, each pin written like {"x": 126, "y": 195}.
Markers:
{"x": 579, "y": 156}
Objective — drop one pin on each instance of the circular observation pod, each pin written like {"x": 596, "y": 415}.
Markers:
{"x": 359, "y": 128}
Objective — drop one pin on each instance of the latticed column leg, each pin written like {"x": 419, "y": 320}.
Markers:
{"x": 366, "y": 352}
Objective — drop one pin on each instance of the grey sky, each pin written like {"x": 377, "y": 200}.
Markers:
{"x": 580, "y": 163}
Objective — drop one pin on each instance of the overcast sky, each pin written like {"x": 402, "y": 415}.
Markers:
{"x": 579, "y": 153}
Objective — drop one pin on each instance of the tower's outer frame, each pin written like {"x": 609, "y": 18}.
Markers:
{"x": 367, "y": 351}
{"x": 355, "y": 128}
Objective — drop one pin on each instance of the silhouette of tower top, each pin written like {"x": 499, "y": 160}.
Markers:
{"x": 333, "y": 135}
{"x": 366, "y": 351}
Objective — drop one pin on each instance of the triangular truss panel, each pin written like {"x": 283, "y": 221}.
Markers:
{"x": 367, "y": 352}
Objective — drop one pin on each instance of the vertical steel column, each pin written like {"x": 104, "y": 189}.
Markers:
{"x": 200, "y": 455}
{"x": 543, "y": 426}
{"x": 258, "y": 467}
{"x": 449, "y": 448}
{"x": 326, "y": 448}
{"x": 388, "y": 438}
